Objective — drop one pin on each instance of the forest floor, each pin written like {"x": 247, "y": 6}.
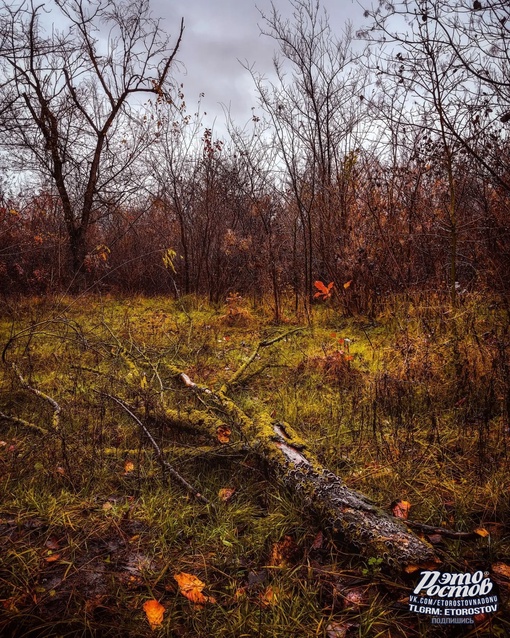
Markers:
{"x": 410, "y": 407}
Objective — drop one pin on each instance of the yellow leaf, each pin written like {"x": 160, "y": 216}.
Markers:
{"x": 168, "y": 259}
{"x": 143, "y": 382}
{"x": 154, "y": 612}
{"x": 347, "y": 284}
{"x": 191, "y": 587}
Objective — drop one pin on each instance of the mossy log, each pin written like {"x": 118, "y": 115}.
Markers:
{"x": 343, "y": 510}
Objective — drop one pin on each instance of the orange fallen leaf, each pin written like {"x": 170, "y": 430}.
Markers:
{"x": 481, "y": 532}
{"x": 154, "y": 612}
{"x": 348, "y": 284}
{"x": 501, "y": 569}
{"x": 226, "y": 493}
{"x": 410, "y": 569}
{"x": 129, "y": 466}
{"x": 223, "y": 433}
{"x": 52, "y": 558}
{"x": 191, "y": 587}
{"x": 240, "y": 593}
{"x": 282, "y": 552}
{"x": 429, "y": 565}
{"x": 269, "y": 597}
{"x": 400, "y": 509}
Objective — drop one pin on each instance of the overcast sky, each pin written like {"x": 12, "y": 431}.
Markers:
{"x": 219, "y": 33}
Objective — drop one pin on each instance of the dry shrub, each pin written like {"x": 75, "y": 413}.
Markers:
{"x": 335, "y": 368}
{"x": 237, "y": 316}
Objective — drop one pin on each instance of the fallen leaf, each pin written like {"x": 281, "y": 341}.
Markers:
{"x": 337, "y": 630}
{"x": 282, "y": 552}
{"x": 318, "y": 542}
{"x": 348, "y": 284}
{"x": 410, "y": 569}
{"x": 269, "y": 597}
{"x": 226, "y": 493}
{"x": 355, "y": 597}
{"x": 52, "y": 558}
{"x": 191, "y": 587}
{"x": 154, "y": 612}
{"x": 223, "y": 433}
{"x": 429, "y": 565}
{"x": 481, "y": 532}
{"x": 52, "y": 543}
{"x": 400, "y": 509}
{"x": 129, "y": 466}
{"x": 501, "y": 569}
{"x": 240, "y": 593}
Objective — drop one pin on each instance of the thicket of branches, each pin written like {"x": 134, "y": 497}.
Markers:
{"x": 380, "y": 158}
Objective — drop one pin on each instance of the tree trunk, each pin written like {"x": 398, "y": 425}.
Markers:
{"x": 343, "y": 510}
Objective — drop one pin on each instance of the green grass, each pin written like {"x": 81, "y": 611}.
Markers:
{"x": 413, "y": 406}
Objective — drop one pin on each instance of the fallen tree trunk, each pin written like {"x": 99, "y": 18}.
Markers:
{"x": 343, "y": 510}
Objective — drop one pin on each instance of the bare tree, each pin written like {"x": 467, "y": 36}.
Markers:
{"x": 476, "y": 38}
{"x": 70, "y": 72}
{"x": 314, "y": 108}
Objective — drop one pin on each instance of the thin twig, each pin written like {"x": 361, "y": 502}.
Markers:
{"x": 27, "y": 424}
{"x": 159, "y": 454}
{"x": 55, "y": 421}
{"x": 262, "y": 344}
